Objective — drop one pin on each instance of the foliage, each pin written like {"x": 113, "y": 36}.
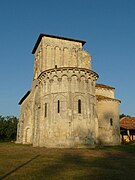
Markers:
{"x": 123, "y": 115}
{"x": 8, "y": 128}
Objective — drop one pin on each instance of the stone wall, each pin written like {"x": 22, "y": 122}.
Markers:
{"x": 62, "y": 109}
{"x": 108, "y": 121}
{"x": 107, "y": 92}
{"x": 59, "y": 122}
{"x": 24, "y": 130}
{"x": 52, "y": 53}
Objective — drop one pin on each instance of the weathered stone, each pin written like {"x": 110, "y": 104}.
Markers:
{"x": 65, "y": 107}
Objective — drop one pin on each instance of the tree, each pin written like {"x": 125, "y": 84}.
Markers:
{"x": 123, "y": 115}
{"x": 8, "y": 128}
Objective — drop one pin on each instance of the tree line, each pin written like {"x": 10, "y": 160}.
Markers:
{"x": 8, "y": 128}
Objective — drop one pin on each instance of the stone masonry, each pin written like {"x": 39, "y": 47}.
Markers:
{"x": 65, "y": 107}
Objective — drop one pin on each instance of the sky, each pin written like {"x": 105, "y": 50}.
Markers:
{"x": 108, "y": 27}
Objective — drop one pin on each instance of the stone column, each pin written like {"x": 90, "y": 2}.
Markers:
{"x": 44, "y": 58}
{"x": 62, "y": 57}
{"x": 79, "y": 55}
{"x": 40, "y": 60}
{"x": 70, "y": 107}
{"x": 52, "y": 57}
{"x": 38, "y": 65}
{"x": 48, "y": 57}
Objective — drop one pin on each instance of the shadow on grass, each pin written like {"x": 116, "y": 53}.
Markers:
{"x": 68, "y": 166}
{"x": 22, "y": 165}
{"x": 100, "y": 163}
{"x": 65, "y": 167}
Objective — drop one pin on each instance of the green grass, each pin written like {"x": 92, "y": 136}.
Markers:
{"x": 103, "y": 163}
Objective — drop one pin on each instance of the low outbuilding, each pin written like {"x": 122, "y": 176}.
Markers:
{"x": 127, "y": 129}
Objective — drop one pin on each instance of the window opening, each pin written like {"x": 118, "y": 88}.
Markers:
{"x": 58, "y": 106}
{"x": 45, "y": 109}
{"x": 79, "y": 106}
{"x": 111, "y": 122}
{"x": 55, "y": 66}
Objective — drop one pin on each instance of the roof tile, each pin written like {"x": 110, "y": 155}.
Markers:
{"x": 127, "y": 123}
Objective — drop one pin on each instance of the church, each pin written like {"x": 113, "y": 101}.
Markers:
{"x": 65, "y": 107}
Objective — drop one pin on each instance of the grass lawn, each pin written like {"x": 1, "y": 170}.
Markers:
{"x": 26, "y": 162}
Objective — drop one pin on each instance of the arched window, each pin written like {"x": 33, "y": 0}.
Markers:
{"x": 111, "y": 121}
{"x": 45, "y": 109}
{"x": 58, "y": 106}
{"x": 79, "y": 106}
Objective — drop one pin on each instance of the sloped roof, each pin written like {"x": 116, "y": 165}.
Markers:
{"x": 104, "y": 86}
{"x": 54, "y": 36}
{"x": 24, "y": 97}
{"x": 100, "y": 97}
{"x": 127, "y": 123}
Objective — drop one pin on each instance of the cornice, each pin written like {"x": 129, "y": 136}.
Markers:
{"x": 56, "y": 37}
{"x": 69, "y": 71}
{"x": 104, "y": 98}
{"x": 104, "y": 86}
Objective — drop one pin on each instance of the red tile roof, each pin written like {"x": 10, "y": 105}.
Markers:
{"x": 127, "y": 122}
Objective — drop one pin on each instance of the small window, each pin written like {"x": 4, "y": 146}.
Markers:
{"x": 55, "y": 66}
{"x": 79, "y": 106}
{"x": 111, "y": 121}
{"x": 58, "y": 106}
{"x": 45, "y": 109}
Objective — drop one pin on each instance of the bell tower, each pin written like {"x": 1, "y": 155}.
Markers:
{"x": 57, "y": 52}
{"x": 65, "y": 104}
{"x": 62, "y": 101}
